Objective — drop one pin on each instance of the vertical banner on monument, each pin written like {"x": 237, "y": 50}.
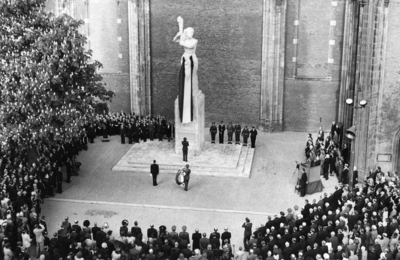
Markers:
{"x": 189, "y": 106}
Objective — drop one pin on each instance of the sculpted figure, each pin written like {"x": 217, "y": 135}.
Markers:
{"x": 188, "y": 82}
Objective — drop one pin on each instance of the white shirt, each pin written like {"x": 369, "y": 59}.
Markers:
{"x": 26, "y": 240}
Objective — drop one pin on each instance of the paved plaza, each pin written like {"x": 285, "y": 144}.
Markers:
{"x": 104, "y": 195}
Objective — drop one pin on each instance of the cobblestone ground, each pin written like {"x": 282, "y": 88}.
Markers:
{"x": 102, "y": 195}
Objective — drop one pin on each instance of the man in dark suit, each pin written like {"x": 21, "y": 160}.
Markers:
{"x": 154, "y": 170}
{"x": 130, "y": 132}
{"x": 160, "y": 130}
{"x": 303, "y": 183}
{"x": 213, "y": 132}
{"x": 184, "y": 238}
{"x": 137, "y": 232}
{"x": 185, "y": 145}
{"x": 151, "y": 232}
{"x": 238, "y": 130}
{"x": 151, "y": 129}
{"x": 186, "y": 178}
{"x": 226, "y": 235}
{"x": 168, "y": 129}
{"x": 196, "y": 239}
{"x": 221, "y": 130}
{"x": 247, "y": 233}
{"x": 230, "y": 129}
{"x": 76, "y": 226}
{"x": 122, "y": 132}
{"x": 253, "y": 135}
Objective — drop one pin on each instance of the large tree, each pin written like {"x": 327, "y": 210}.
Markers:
{"x": 49, "y": 84}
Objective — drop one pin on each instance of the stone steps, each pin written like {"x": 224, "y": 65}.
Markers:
{"x": 240, "y": 167}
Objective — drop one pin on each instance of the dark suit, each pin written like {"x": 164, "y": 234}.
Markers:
{"x": 303, "y": 184}
{"x": 224, "y": 236}
{"x": 151, "y": 130}
{"x": 154, "y": 170}
{"x": 230, "y": 133}
{"x": 253, "y": 135}
{"x": 238, "y": 130}
{"x": 245, "y": 134}
{"x": 345, "y": 176}
{"x": 196, "y": 240}
{"x": 221, "y": 129}
{"x": 122, "y": 132}
{"x": 186, "y": 178}
{"x": 185, "y": 145}
{"x": 151, "y": 233}
{"x": 169, "y": 132}
{"x": 213, "y": 131}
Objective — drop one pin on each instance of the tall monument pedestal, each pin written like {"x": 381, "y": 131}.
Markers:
{"x": 193, "y": 131}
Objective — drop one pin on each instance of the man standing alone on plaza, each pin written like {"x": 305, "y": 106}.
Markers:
{"x": 154, "y": 170}
{"x": 247, "y": 233}
{"x": 186, "y": 177}
{"x": 185, "y": 145}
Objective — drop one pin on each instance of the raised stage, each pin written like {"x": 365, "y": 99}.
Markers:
{"x": 221, "y": 160}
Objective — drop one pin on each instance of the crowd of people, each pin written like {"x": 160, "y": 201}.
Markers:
{"x": 355, "y": 224}
{"x": 326, "y": 151}
{"x": 349, "y": 224}
{"x": 132, "y": 127}
{"x": 74, "y": 241}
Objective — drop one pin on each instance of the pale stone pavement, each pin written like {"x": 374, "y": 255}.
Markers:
{"x": 268, "y": 190}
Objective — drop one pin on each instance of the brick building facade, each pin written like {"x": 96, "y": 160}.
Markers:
{"x": 285, "y": 65}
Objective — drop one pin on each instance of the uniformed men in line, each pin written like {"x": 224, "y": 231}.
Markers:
{"x": 230, "y": 129}
{"x": 245, "y": 134}
{"x": 213, "y": 132}
{"x": 237, "y": 129}
{"x": 221, "y": 130}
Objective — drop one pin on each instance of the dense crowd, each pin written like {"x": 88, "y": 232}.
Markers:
{"x": 131, "y": 126}
{"x": 326, "y": 152}
{"x": 356, "y": 224}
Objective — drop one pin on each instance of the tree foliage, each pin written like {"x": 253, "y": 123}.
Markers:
{"x": 49, "y": 84}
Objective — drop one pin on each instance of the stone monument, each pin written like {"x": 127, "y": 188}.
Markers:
{"x": 189, "y": 105}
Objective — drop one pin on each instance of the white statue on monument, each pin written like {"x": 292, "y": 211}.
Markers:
{"x": 188, "y": 82}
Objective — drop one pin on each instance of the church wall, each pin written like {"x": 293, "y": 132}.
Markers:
{"x": 314, "y": 37}
{"x": 229, "y": 53}
{"x": 103, "y": 29}
{"x": 389, "y": 123}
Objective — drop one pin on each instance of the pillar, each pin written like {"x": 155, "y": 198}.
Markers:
{"x": 139, "y": 56}
{"x": 273, "y": 62}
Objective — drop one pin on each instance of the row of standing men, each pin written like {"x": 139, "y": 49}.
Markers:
{"x": 233, "y": 129}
